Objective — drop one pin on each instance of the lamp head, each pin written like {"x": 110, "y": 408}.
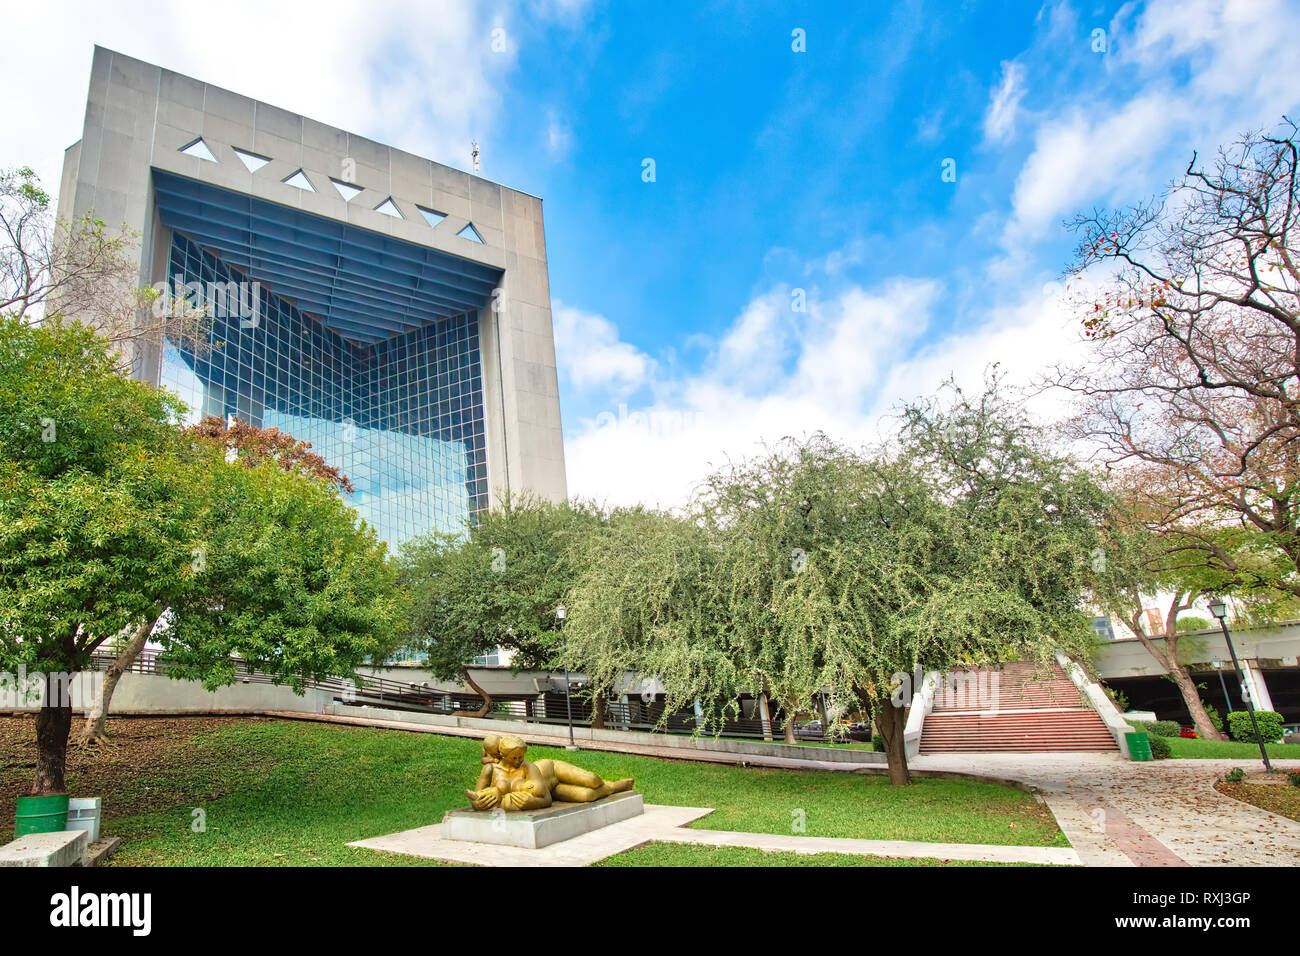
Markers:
{"x": 561, "y": 612}
{"x": 1218, "y": 607}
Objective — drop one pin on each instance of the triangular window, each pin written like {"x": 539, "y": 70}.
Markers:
{"x": 252, "y": 161}
{"x": 300, "y": 180}
{"x": 199, "y": 149}
{"x": 389, "y": 208}
{"x": 470, "y": 233}
{"x": 347, "y": 190}
{"x": 430, "y": 216}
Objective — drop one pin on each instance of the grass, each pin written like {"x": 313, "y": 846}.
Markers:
{"x": 685, "y": 854}
{"x": 1195, "y": 748}
{"x": 276, "y": 793}
{"x": 1282, "y": 799}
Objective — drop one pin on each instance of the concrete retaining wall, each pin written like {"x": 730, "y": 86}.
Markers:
{"x": 155, "y": 694}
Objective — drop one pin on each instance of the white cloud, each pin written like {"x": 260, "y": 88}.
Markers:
{"x": 1195, "y": 74}
{"x": 559, "y": 137}
{"x": 419, "y": 75}
{"x": 589, "y": 352}
{"x": 836, "y": 356}
{"x": 1004, "y": 102}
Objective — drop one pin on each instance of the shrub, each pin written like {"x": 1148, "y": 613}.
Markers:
{"x": 1157, "y": 728}
{"x": 878, "y": 743}
{"x": 1235, "y": 775}
{"x": 1159, "y": 747}
{"x": 1165, "y": 728}
{"x": 1270, "y": 725}
{"x": 1293, "y": 777}
{"x": 1216, "y": 721}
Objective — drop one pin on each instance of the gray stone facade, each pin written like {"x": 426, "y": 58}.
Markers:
{"x": 140, "y": 117}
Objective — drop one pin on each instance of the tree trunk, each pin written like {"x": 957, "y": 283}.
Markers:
{"x": 93, "y": 732}
{"x": 790, "y": 737}
{"x": 53, "y": 724}
{"x": 1186, "y": 687}
{"x": 892, "y": 721}
{"x": 487, "y": 698}
{"x": 764, "y": 716}
{"x": 1192, "y": 698}
{"x": 598, "y": 712}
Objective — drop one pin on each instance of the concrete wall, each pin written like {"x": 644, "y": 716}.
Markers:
{"x": 138, "y": 118}
{"x": 154, "y": 694}
{"x": 1273, "y": 646}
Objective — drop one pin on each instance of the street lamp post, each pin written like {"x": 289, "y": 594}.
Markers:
{"x": 561, "y": 612}
{"x": 1220, "y": 610}
{"x": 1223, "y": 684}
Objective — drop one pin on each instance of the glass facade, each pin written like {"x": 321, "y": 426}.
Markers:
{"x": 403, "y": 418}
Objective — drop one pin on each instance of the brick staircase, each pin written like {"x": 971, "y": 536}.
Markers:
{"x": 1017, "y": 707}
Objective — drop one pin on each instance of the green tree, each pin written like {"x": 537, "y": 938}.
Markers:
{"x": 249, "y": 446}
{"x": 110, "y": 513}
{"x": 92, "y": 505}
{"x": 496, "y": 584}
{"x": 820, "y": 570}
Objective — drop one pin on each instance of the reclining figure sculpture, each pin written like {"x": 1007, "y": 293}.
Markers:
{"x": 510, "y": 782}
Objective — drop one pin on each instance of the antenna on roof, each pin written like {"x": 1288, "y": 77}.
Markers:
{"x": 474, "y": 154}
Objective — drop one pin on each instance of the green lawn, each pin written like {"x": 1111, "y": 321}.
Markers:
{"x": 1186, "y": 747}
{"x": 293, "y": 793}
{"x": 684, "y": 854}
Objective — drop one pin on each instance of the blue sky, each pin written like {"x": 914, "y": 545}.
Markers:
{"x": 780, "y": 175}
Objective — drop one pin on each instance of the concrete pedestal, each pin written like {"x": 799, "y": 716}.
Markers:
{"x": 533, "y": 829}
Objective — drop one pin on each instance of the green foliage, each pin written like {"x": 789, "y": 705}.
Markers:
{"x": 1165, "y": 728}
{"x": 289, "y": 582}
{"x": 1235, "y": 775}
{"x": 815, "y": 566}
{"x": 1216, "y": 719}
{"x": 1160, "y": 749}
{"x": 110, "y": 515}
{"x": 1269, "y": 721}
{"x": 96, "y": 493}
{"x": 1186, "y": 624}
{"x": 1157, "y": 728}
{"x": 496, "y": 584}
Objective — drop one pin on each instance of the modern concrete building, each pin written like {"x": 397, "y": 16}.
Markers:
{"x": 392, "y": 311}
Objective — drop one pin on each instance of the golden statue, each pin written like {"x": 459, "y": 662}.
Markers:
{"x": 509, "y": 781}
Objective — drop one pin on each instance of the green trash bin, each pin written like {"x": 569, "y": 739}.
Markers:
{"x": 41, "y": 814}
{"x": 1139, "y": 747}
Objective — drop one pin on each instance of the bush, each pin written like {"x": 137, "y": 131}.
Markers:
{"x": 1157, "y": 728}
{"x": 1235, "y": 775}
{"x": 1216, "y": 721}
{"x": 1270, "y": 725}
{"x": 878, "y": 743}
{"x": 1159, "y": 747}
{"x": 1293, "y": 777}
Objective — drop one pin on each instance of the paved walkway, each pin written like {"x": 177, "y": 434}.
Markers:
{"x": 1115, "y": 812}
{"x": 668, "y": 825}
